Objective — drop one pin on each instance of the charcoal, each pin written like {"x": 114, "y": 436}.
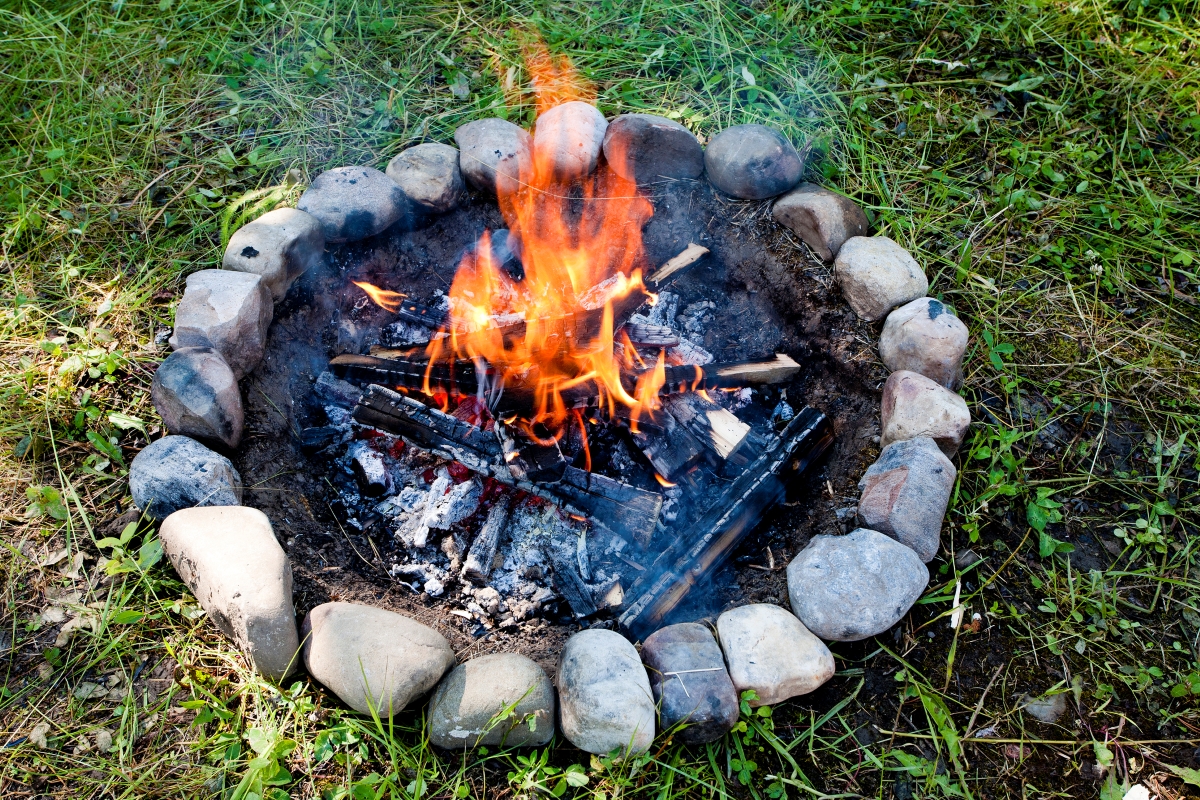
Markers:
{"x": 369, "y": 470}
{"x": 315, "y": 439}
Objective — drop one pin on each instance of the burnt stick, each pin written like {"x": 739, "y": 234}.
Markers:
{"x": 688, "y": 562}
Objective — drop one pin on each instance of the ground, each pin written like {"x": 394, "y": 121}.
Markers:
{"x": 1040, "y": 159}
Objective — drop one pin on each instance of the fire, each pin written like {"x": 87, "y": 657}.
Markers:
{"x": 581, "y": 255}
{"x": 383, "y": 298}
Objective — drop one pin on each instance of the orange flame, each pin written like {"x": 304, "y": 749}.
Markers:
{"x": 663, "y": 481}
{"x": 384, "y": 298}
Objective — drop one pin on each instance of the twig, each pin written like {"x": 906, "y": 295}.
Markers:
{"x": 979, "y": 705}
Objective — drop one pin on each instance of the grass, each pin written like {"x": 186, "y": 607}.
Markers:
{"x": 1041, "y": 158}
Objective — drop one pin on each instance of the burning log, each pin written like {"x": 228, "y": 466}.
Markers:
{"x": 617, "y": 507}
{"x": 688, "y": 561}
{"x": 477, "y": 566}
{"x": 531, "y": 461}
{"x": 734, "y": 375}
{"x": 713, "y": 426}
{"x": 668, "y": 446}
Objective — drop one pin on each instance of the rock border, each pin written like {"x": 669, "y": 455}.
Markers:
{"x": 603, "y": 683}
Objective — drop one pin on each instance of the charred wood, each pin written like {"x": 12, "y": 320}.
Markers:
{"x": 667, "y": 445}
{"x": 528, "y": 460}
{"x": 721, "y": 433}
{"x": 689, "y": 560}
{"x": 477, "y": 566}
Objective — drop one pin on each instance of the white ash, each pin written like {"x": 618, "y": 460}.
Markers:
{"x": 455, "y": 505}
{"x": 688, "y": 352}
{"x": 672, "y": 495}
{"x": 694, "y": 320}
{"x": 733, "y": 399}
{"x": 336, "y": 391}
{"x": 602, "y": 292}
{"x": 661, "y": 313}
{"x": 402, "y": 333}
{"x": 782, "y": 413}
{"x": 338, "y": 416}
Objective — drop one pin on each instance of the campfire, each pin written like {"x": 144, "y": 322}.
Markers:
{"x": 556, "y": 340}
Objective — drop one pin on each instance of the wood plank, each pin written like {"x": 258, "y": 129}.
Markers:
{"x": 690, "y": 255}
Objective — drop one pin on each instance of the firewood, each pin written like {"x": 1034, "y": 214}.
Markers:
{"x": 651, "y": 335}
{"x": 625, "y": 510}
{"x": 529, "y": 460}
{"x": 717, "y": 428}
{"x": 691, "y": 559}
{"x": 691, "y": 254}
{"x": 666, "y": 444}
{"x": 736, "y": 375}
{"x": 567, "y": 580}
{"x": 477, "y": 566}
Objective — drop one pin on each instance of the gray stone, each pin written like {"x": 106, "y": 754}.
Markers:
{"x": 280, "y": 246}
{"x": 353, "y": 203}
{"x": 847, "y": 588}
{"x": 824, "y": 220}
{"x": 372, "y": 658}
{"x": 177, "y": 472}
{"x": 925, "y": 337}
{"x": 645, "y": 148}
{"x": 690, "y": 684}
{"x": 429, "y": 175}
{"x": 604, "y": 694}
{"x": 752, "y": 162}
{"x": 495, "y": 156}
{"x": 196, "y": 394}
{"x": 467, "y": 708}
{"x": 877, "y": 275}
{"x": 913, "y": 406}
{"x": 567, "y": 140}
{"x": 905, "y": 494}
{"x": 231, "y": 562}
{"x": 227, "y": 311}
{"x": 768, "y": 650}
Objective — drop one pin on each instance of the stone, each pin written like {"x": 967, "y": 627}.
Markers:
{"x": 768, "y": 650}
{"x": 228, "y": 312}
{"x": 177, "y": 472}
{"x": 466, "y": 708}
{"x": 231, "y": 562}
{"x": 913, "y": 406}
{"x": 924, "y": 336}
{"x": 371, "y": 658}
{"x": 847, "y": 588}
{"x": 646, "y": 148}
{"x": 604, "y": 694}
{"x": 567, "y": 140}
{"x": 752, "y": 162}
{"x": 905, "y": 494}
{"x": 495, "y": 156}
{"x": 822, "y": 219}
{"x": 353, "y": 203}
{"x": 690, "y": 684}
{"x": 279, "y": 246}
{"x": 429, "y": 175}
{"x": 196, "y": 394}
{"x": 877, "y": 275}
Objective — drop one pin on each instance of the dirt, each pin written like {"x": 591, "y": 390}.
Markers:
{"x": 769, "y": 295}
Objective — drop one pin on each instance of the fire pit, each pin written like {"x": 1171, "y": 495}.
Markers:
{"x": 563, "y": 401}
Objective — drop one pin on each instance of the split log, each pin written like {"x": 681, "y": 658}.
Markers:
{"x": 529, "y": 460}
{"x": 736, "y": 375}
{"x": 567, "y": 580}
{"x": 667, "y": 445}
{"x": 690, "y": 560}
{"x": 691, "y": 254}
{"x": 624, "y": 510}
{"x": 717, "y": 428}
{"x": 478, "y": 565}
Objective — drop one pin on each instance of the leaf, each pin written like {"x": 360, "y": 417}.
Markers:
{"x": 1025, "y": 84}
{"x": 1186, "y": 774}
{"x": 149, "y": 554}
{"x": 126, "y": 617}
{"x": 575, "y": 776}
{"x": 55, "y": 154}
{"x": 261, "y": 741}
{"x": 126, "y": 422}
{"x": 127, "y": 533}
{"x": 106, "y": 447}
{"x": 1036, "y": 516}
{"x": 748, "y": 76}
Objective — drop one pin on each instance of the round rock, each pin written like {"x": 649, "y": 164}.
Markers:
{"x": 495, "y": 156}
{"x": 372, "y": 658}
{"x": 690, "y": 684}
{"x": 877, "y": 275}
{"x": 467, "y": 702}
{"x": 823, "y": 220}
{"x": 567, "y": 140}
{"x": 646, "y": 148}
{"x": 769, "y": 651}
{"x": 429, "y": 175}
{"x": 605, "y": 697}
{"x": 279, "y": 246}
{"x": 846, "y": 588}
{"x": 177, "y": 472}
{"x": 353, "y": 203}
{"x": 227, "y": 311}
{"x": 913, "y": 406}
{"x": 230, "y": 560}
{"x": 196, "y": 394}
{"x": 905, "y": 494}
{"x": 752, "y": 162}
{"x": 925, "y": 337}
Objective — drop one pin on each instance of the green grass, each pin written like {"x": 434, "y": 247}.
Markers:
{"x": 1042, "y": 159}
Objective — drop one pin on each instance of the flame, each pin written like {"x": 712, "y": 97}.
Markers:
{"x": 666, "y": 484}
{"x": 384, "y": 298}
{"x": 553, "y": 331}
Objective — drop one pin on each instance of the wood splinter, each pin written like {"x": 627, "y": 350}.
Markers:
{"x": 691, "y": 254}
